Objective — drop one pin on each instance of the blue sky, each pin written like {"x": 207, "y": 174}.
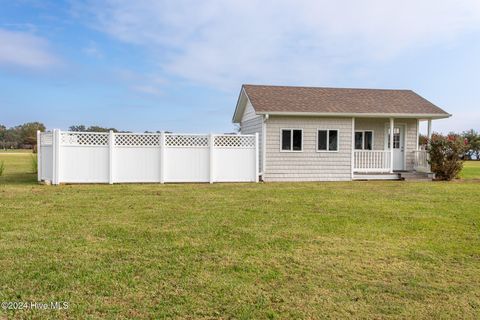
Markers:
{"x": 178, "y": 65}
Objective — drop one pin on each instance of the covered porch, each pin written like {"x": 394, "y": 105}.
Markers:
{"x": 379, "y": 155}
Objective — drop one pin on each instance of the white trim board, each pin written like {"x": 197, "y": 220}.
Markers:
{"x": 357, "y": 115}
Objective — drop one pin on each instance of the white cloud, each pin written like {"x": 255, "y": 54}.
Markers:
{"x": 222, "y": 43}
{"x": 25, "y": 50}
{"x": 92, "y": 50}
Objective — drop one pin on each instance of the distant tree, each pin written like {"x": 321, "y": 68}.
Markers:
{"x": 473, "y": 144}
{"x": 3, "y": 130}
{"x": 79, "y": 128}
{"x": 24, "y": 135}
{"x": 84, "y": 128}
{"x": 100, "y": 129}
{"x": 12, "y": 138}
{"x": 28, "y": 132}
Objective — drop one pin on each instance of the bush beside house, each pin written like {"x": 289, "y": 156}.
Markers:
{"x": 446, "y": 155}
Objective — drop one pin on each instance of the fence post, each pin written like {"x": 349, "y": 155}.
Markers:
{"x": 111, "y": 154}
{"x": 56, "y": 157}
{"x": 211, "y": 159}
{"x": 257, "y": 158}
{"x": 39, "y": 158}
{"x": 162, "y": 157}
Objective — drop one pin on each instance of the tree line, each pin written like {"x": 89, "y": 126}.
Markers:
{"x": 24, "y": 136}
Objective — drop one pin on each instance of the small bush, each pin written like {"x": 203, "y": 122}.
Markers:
{"x": 34, "y": 163}
{"x": 446, "y": 154}
{"x": 2, "y": 167}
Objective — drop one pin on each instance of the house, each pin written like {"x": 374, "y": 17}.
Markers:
{"x": 333, "y": 134}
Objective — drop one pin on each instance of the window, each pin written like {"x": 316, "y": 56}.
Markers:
{"x": 368, "y": 140}
{"x": 327, "y": 140}
{"x": 396, "y": 138}
{"x": 363, "y": 140}
{"x": 291, "y": 140}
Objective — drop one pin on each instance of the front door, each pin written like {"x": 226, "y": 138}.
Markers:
{"x": 398, "y": 146}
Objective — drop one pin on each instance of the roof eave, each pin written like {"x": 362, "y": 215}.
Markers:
{"x": 236, "y": 118}
{"x": 360, "y": 115}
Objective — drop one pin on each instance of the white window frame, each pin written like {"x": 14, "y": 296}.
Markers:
{"x": 291, "y": 139}
{"x": 328, "y": 140}
{"x": 363, "y": 139}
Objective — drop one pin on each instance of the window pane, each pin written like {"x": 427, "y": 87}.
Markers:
{"x": 322, "y": 140}
{"x": 333, "y": 140}
{"x": 358, "y": 140}
{"x": 396, "y": 140}
{"x": 297, "y": 140}
{"x": 368, "y": 140}
{"x": 286, "y": 137}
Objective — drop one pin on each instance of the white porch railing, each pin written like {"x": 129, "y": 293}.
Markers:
{"x": 371, "y": 161}
{"x": 420, "y": 162}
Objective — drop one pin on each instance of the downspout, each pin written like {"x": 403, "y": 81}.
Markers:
{"x": 264, "y": 144}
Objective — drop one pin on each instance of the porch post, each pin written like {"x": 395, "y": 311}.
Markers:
{"x": 391, "y": 144}
{"x": 353, "y": 147}
{"x": 429, "y": 135}
{"x": 418, "y": 135}
{"x": 429, "y": 132}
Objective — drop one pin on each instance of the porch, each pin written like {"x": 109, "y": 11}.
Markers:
{"x": 376, "y": 165}
{"x": 379, "y": 155}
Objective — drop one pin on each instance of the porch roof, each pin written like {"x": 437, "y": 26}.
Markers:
{"x": 288, "y": 100}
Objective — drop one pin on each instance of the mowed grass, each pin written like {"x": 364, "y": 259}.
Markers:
{"x": 471, "y": 170}
{"x": 15, "y": 150}
{"x": 247, "y": 251}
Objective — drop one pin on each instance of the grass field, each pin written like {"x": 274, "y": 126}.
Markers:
{"x": 15, "y": 151}
{"x": 471, "y": 170}
{"x": 247, "y": 251}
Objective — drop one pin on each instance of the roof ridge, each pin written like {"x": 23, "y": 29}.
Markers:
{"x": 314, "y": 87}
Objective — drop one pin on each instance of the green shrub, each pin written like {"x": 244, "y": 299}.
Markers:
{"x": 2, "y": 167}
{"x": 446, "y": 154}
{"x": 34, "y": 163}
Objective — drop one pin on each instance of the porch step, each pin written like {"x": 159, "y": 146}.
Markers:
{"x": 376, "y": 176}
{"x": 416, "y": 176}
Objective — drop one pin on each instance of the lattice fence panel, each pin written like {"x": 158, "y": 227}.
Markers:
{"x": 46, "y": 138}
{"x": 233, "y": 141}
{"x": 186, "y": 140}
{"x": 137, "y": 140}
{"x": 84, "y": 139}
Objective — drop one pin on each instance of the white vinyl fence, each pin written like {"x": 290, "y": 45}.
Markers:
{"x": 91, "y": 157}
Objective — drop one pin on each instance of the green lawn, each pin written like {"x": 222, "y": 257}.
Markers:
{"x": 249, "y": 251}
{"x": 15, "y": 151}
{"x": 471, "y": 170}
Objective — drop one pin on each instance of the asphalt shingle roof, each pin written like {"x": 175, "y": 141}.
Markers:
{"x": 338, "y": 100}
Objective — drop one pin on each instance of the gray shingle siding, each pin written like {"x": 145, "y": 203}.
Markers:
{"x": 251, "y": 124}
{"x": 308, "y": 165}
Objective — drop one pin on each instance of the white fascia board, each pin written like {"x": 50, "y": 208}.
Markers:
{"x": 240, "y": 107}
{"x": 361, "y": 115}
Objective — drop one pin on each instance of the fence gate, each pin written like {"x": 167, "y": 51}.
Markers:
{"x": 98, "y": 157}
